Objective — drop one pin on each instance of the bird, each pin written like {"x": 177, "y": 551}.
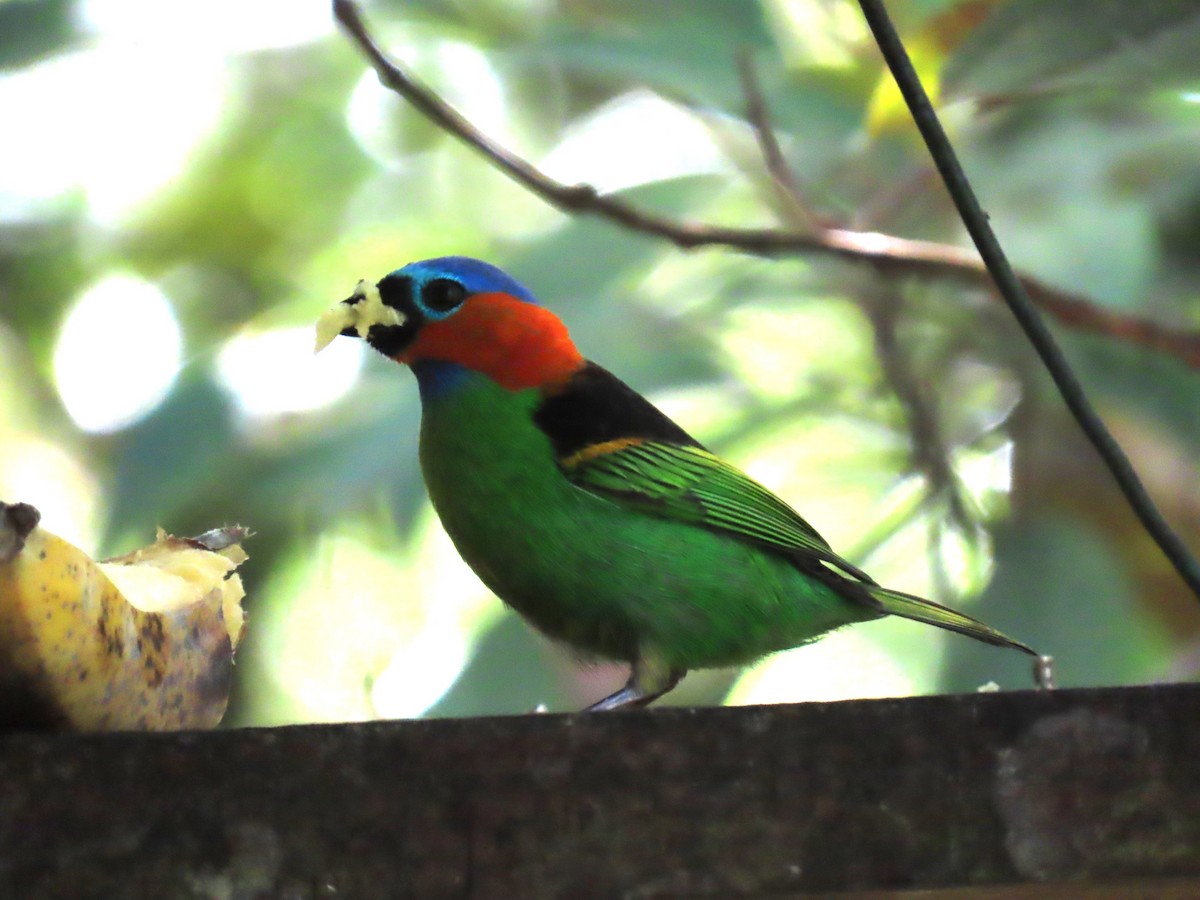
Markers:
{"x": 590, "y": 512}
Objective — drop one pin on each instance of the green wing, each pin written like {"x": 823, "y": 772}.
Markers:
{"x": 689, "y": 484}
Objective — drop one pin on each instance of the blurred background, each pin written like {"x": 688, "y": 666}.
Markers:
{"x": 184, "y": 187}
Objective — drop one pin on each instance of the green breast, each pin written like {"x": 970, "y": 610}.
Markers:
{"x": 606, "y": 579}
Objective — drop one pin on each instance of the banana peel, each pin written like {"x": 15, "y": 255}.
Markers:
{"x": 141, "y": 642}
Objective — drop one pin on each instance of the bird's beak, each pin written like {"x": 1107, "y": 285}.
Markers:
{"x": 357, "y": 315}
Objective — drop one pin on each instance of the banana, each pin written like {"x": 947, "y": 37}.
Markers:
{"x": 141, "y": 642}
{"x": 363, "y": 308}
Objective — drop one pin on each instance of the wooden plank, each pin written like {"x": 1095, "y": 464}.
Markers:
{"x": 1084, "y": 793}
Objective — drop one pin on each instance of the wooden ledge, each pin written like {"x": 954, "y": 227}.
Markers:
{"x": 1075, "y": 793}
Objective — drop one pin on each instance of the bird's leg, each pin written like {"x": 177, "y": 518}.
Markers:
{"x": 648, "y": 681}
{"x": 1043, "y": 673}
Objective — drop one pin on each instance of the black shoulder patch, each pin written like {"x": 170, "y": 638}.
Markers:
{"x": 596, "y": 406}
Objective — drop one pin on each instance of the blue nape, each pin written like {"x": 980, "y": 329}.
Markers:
{"x": 475, "y": 275}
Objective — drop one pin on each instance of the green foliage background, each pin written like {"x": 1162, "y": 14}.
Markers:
{"x": 1078, "y": 124}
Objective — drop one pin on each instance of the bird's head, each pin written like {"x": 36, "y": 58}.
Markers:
{"x": 462, "y": 313}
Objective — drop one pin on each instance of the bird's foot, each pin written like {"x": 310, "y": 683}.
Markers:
{"x": 1043, "y": 673}
{"x": 645, "y": 685}
{"x": 627, "y": 697}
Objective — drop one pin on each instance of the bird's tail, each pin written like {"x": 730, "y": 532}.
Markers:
{"x": 920, "y": 610}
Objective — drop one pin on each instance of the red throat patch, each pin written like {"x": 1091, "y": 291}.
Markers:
{"x": 516, "y": 344}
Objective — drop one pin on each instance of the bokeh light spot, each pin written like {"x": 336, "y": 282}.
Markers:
{"x": 843, "y": 666}
{"x": 117, "y": 354}
{"x": 274, "y": 372}
{"x": 141, "y": 129}
{"x": 219, "y": 26}
{"x": 603, "y": 150}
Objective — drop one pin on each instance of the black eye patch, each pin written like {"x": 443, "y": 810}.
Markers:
{"x": 396, "y": 291}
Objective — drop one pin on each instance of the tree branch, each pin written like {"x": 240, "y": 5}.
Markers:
{"x": 886, "y": 252}
{"x": 882, "y": 305}
{"x": 1009, "y": 285}
{"x": 930, "y": 453}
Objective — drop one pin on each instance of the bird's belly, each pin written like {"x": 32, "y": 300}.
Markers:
{"x": 607, "y": 579}
{"x": 618, "y": 583}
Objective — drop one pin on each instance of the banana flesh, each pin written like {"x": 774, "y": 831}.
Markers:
{"x": 363, "y": 309}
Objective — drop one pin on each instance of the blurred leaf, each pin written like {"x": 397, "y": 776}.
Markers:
{"x": 1051, "y": 180}
{"x": 683, "y": 48}
{"x": 348, "y": 459}
{"x": 184, "y": 449}
{"x": 1146, "y": 384}
{"x": 927, "y": 49}
{"x": 887, "y": 110}
{"x": 822, "y": 109}
{"x": 351, "y": 460}
{"x": 33, "y": 29}
{"x": 238, "y": 208}
{"x": 1031, "y": 46}
{"x": 41, "y": 271}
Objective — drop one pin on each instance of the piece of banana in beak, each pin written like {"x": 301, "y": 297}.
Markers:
{"x": 359, "y": 312}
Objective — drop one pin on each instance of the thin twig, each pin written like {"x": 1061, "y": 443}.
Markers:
{"x": 930, "y": 455}
{"x": 1014, "y": 295}
{"x": 882, "y": 305}
{"x": 884, "y": 251}
{"x": 797, "y": 211}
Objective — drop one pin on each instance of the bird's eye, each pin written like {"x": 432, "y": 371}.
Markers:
{"x": 442, "y": 295}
